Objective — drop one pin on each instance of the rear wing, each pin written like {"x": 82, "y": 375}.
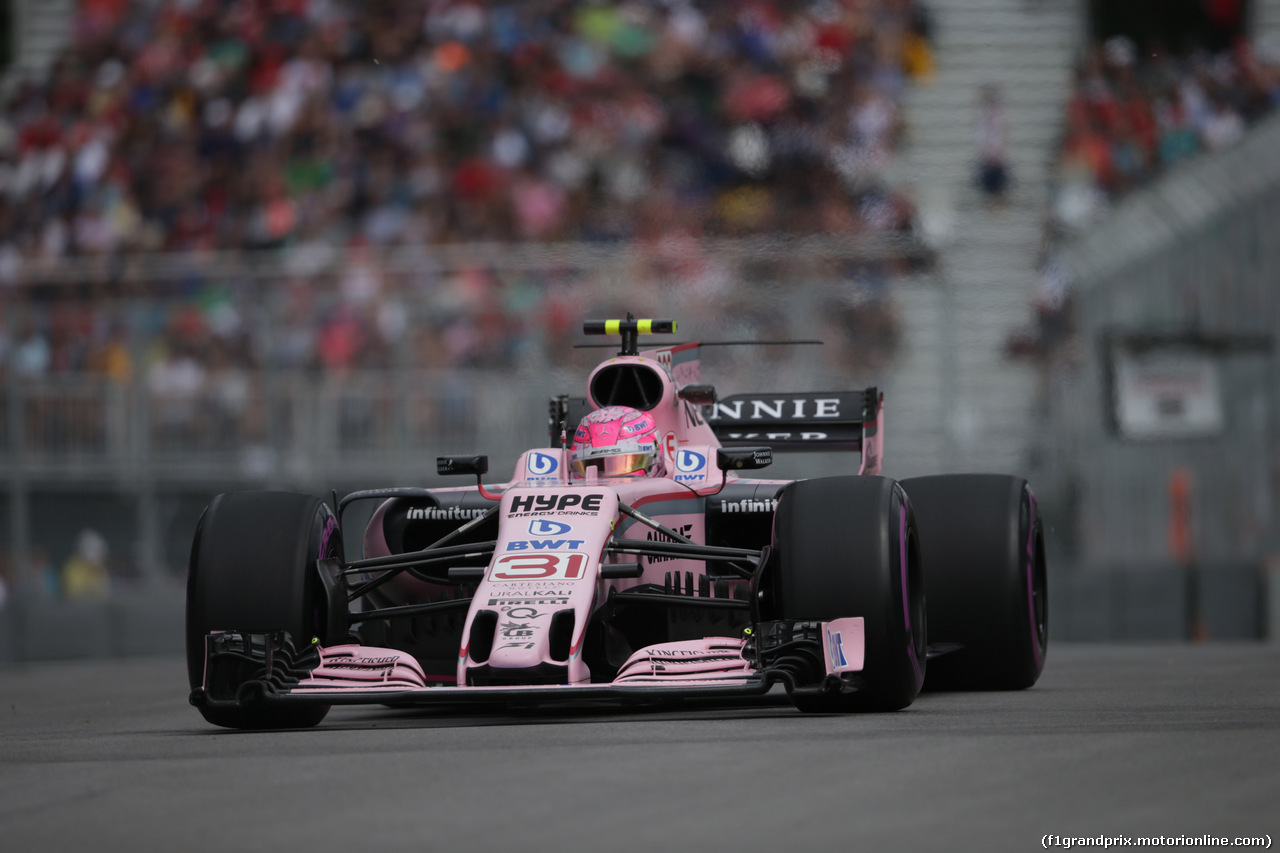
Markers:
{"x": 839, "y": 420}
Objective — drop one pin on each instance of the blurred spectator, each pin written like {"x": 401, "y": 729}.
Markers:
{"x": 917, "y": 50}
{"x": 176, "y": 381}
{"x": 1052, "y": 298}
{"x": 41, "y": 574}
{"x": 1222, "y": 126}
{"x": 32, "y": 355}
{"x": 84, "y": 575}
{"x": 228, "y": 397}
{"x": 110, "y": 354}
{"x": 993, "y": 139}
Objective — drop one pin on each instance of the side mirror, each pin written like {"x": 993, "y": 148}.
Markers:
{"x": 743, "y": 458}
{"x": 447, "y": 466}
{"x": 698, "y": 395}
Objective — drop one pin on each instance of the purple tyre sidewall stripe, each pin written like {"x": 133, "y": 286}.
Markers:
{"x": 1036, "y": 647}
{"x": 906, "y": 602}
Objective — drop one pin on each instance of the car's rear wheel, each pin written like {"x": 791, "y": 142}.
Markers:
{"x": 845, "y": 547}
{"x": 252, "y": 571}
{"x": 983, "y": 548}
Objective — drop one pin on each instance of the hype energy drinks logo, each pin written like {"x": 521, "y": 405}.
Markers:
{"x": 569, "y": 503}
{"x": 542, "y": 467}
{"x": 690, "y": 465}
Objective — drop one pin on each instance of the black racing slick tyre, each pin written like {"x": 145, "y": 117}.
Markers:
{"x": 252, "y": 571}
{"x": 846, "y": 546}
{"x": 983, "y": 547}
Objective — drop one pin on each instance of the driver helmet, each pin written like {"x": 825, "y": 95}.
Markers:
{"x": 619, "y": 441}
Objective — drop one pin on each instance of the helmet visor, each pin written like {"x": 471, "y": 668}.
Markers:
{"x": 614, "y": 466}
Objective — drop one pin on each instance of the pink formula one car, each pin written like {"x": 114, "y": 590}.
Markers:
{"x": 631, "y": 559}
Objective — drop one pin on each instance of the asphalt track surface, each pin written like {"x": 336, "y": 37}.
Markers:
{"x": 1114, "y": 741}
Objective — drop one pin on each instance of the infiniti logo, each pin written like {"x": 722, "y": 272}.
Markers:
{"x": 545, "y": 527}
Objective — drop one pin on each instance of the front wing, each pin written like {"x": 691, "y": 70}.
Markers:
{"x": 824, "y": 657}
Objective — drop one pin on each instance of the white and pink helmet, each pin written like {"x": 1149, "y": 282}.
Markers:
{"x": 619, "y": 441}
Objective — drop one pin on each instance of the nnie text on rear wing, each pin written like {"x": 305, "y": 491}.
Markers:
{"x": 817, "y": 421}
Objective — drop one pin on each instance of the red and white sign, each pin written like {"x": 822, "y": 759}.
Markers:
{"x": 1168, "y": 392}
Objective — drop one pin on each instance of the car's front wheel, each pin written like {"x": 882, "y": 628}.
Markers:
{"x": 845, "y": 547}
{"x": 252, "y": 572}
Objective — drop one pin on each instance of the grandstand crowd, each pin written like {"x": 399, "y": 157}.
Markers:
{"x": 1136, "y": 112}
{"x": 310, "y": 125}
{"x": 344, "y": 136}
{"x": 341, "y": 130}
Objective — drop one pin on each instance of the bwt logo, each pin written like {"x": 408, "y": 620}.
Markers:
{"x": 688, "y": 461}
{"x": 689, "y": 466}
{"x": 543, "y": 544}
{"x": 542, "y": 464}
{"x": 544, "y": 527}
